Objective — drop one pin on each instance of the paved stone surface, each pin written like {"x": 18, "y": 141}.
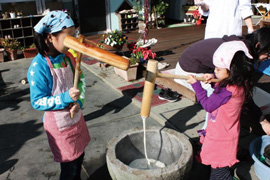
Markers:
{"x": 24, "y": 150}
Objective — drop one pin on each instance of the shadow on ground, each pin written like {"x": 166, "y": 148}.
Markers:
{"x": 101, "y": 173}
{"x": 12, "y": 137}
{"x": 116, "y": 105}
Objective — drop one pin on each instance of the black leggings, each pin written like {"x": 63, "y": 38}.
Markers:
{"x": 221, "y": 174}
{"x": 72, "y": 170}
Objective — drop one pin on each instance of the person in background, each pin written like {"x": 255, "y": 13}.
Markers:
{"x": 50, "y": 77}
{"x": 197, "y": 59}
{"x": 234, "y": 69}
{"x": 225, "y": 17}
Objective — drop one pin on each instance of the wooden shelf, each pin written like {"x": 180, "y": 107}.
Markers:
{"x": 25, "y": 27}
{"x": 128, "y": 21}
{"x": 7, "y": 29}
{"x": 23, "y": 37}
{"x": 24, "y": 32}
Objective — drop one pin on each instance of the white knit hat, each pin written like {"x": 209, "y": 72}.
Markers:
{"x": 223, "y": 56}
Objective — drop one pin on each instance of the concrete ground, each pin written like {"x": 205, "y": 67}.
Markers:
{"x": 24, "y": 150}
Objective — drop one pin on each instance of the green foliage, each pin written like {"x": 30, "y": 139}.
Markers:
{"x": 160, "y": 7}
{"x": 100, "y": 46}
{"x": 32, "y": 45}
{"x": 24, "y": 47}
{"x": 133, "y": 60}
{"x": 138, "y": 6}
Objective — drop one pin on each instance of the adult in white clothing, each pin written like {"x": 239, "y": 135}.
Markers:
{"x": 225, "y": 17}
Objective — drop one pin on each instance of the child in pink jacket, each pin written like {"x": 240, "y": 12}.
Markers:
{"x": 234, "y": 69}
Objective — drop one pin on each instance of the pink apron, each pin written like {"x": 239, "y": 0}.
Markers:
{"x": 67, "y": 136}
{"x": 219, "y": 147}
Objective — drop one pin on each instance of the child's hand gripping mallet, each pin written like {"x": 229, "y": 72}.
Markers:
{"x": 77, "y": 68}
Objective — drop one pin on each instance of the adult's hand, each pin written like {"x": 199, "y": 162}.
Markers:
{"x": 198, "y": 2}
{"x": 204, "y": 7}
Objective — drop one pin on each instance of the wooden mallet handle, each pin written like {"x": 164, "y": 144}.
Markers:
{"x": 174, "y": 76}
{"x": 77, "y": 68}
{"x": 78, "y": 64}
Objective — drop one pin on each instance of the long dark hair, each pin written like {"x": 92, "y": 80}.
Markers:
{"x": 241, "y": 73}
{"x": 261, "y": 36}
{"x": 39, "y": 40}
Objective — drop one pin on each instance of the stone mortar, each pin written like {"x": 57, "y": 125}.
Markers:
{"x": 163, "y": 144}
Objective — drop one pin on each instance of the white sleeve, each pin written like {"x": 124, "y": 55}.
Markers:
{"x": 245, "y": 8}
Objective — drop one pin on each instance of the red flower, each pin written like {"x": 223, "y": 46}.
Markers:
{"x": 131, "y": 46}
{"x": 196, "y": 14}
{"x": 144, "y": 53}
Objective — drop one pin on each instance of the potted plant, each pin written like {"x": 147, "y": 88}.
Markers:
{"x": 159, "y": 8}
{"x": 143, "y": 54}
{"x": 113, "y": 40}
{"x": 29, "y": 52}
{"x": 131, "y": 73}
{"x": 10, "y": 45}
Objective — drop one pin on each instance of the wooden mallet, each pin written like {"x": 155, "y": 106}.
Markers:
{"x": 89, "y": 49}
{"x": 149, "y": 85}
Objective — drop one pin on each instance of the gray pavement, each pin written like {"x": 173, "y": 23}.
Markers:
{"x": 24, "y": 150}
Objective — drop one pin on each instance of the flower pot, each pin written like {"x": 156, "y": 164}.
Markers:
{"x": 30, "y": 52}
{"x": 12, "y": 54}
{"x": 141, "y": 70}
{"x": 2, "y": 50}
{"x": 143, "y": 60}
{"x": 128, "y": 75}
